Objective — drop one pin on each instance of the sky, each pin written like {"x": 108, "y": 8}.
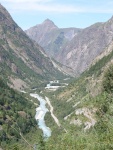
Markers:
{"x": 64, "y": 13}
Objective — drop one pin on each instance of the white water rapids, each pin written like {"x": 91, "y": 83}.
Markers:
{"x": 40, "y": 113}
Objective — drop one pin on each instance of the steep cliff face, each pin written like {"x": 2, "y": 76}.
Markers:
{"x": 50, "y": 37}
{"x": 86, "y": 46}
{"x": 20, "y": 56}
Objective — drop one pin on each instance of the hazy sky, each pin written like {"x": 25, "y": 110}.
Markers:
{"x": 64, "y": 13}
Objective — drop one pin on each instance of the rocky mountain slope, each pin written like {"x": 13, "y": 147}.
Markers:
{"x": 22, "y": 61}
{"x": 87, "y": 45}
{"x": 76, "y": 48}
{"x": 50, "y": 37}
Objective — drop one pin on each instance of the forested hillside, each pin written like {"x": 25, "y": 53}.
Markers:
{"x": 16, "y": 116}
{"x": 85, "y": 109}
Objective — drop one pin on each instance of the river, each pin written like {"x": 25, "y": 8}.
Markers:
{"x": 40, "y": 113}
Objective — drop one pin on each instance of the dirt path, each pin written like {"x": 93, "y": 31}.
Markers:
{"x": 51, "y": 111}
{"x": 54, "y": 117}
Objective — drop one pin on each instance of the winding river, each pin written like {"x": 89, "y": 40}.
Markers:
{"x": 40, "y": 113}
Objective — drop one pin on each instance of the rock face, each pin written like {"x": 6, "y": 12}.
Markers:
{"x": 39, "y": 32}
{"x": 76, "y": 48}
{"x": 50, "y": 37}
{"x": 87, "y": 45}
{"x": 19, "y": 55}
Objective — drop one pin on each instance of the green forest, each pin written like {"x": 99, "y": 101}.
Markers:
{"x": 16, "y": 115}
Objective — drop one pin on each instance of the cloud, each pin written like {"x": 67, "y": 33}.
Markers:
{"x": 39, "y": 5}
{"x": 25, "y": 1}
{"x": 48, "y": 8}
{"x": 53, "y": 6}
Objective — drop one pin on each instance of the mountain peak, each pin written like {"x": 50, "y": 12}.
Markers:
{"x": 49, "y": 23}
{"x": 48, "y": 20}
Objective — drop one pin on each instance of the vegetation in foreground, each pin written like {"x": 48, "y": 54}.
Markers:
{"x": 16, "y": 116}
{"x": 98, "y": 137}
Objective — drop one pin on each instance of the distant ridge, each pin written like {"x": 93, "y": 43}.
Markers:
{"x": 76, "y": 48}
{"x": 50, "y": 37}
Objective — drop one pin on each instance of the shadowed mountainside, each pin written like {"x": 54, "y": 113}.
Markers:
{"x": 20, "y": 57}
